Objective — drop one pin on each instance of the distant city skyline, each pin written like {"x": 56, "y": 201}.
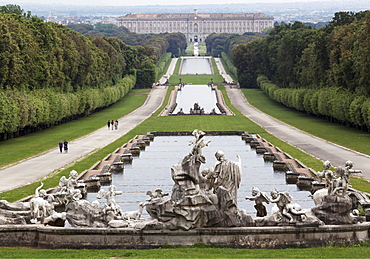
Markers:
{"x": 157, "y": 2}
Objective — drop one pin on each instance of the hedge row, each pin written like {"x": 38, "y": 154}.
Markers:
{"x": 229, "y": 66}
{"x": 23, "y": 112}
{"x": 333, "y": 103}
{"x": 162, "y": 65}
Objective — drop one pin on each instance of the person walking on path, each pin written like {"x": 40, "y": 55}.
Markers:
{"x": 112, "y": 123}
{"x": 60, "y": 146}
{"x": 65, "y": 143}
{"x": 116, "y": 124}
{"x": 108, "y": 124}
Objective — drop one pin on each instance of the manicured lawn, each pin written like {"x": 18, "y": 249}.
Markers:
{"x": 189, "y": 49}
{"x": 173, "y": 123}
{"x": 336, "y": 133}
{"x": 200, "y": 251}
{"x": 19, "y": 148}
{"x": 202, "y": 48}
{"x": 196, "y": 79}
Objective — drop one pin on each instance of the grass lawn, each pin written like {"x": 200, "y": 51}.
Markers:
{"x": 26, "y": 146}
{"x": 336, "y": 133}
{"x": 173, "y": 123}
{"x": 202, "y": 48}
{"x": 200, "y": 251}
{"x": 196, "y": 79}
{"x": 189, "y": 49}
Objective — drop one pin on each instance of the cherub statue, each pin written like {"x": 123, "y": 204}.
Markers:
{"x": 326, "y": 174}
{"x": 259, "y": 198}
{"x": 67, "y": 186}
{"x": 349, "y": 171}
{"x": 111, "y": 200}
{"x": 209, "y": 178}
{"x": 158, "y": 193}
{"x": 340, "y": 185}
{"x": 282, "y": 199}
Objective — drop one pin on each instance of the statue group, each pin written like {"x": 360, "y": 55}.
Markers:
{"x": 199, "y": 198}
{"x": 206, "y": 198}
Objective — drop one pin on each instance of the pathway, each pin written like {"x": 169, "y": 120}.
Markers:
{"x": 41, "y": 166}
{"x": 38, "y": 167}
{"x": 170, "y": 71}
{"x": 315, "y": 146}
{"x": 221, "y": 69}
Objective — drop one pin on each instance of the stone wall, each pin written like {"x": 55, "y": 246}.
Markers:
{"x": 39, "y": 236}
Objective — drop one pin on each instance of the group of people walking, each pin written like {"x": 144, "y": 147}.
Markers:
{"x": 112, "y": 124}
{"x": 63, "y": 145}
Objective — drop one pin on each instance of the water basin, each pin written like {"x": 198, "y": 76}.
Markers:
{"x": 201, "y": 94}
{"x": 152, "y": 170}
{"x": 196, "y": 66}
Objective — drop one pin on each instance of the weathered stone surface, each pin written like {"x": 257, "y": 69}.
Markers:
{"x": 334, "y": 210}
{"x": 83, "y": 214}
{"x": 14, "y": 206}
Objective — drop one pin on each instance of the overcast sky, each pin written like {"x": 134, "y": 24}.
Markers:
{"x": 154, "y": 2}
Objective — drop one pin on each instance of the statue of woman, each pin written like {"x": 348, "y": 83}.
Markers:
{"x": 229, "y": 174}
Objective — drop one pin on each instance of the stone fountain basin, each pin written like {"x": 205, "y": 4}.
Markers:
{"x": 39, "y": 236}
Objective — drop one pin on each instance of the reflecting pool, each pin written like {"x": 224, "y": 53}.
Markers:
{"x": 201, "y": 94}
{"x": 152, "y": 170}
{"x": 196, "y": 66}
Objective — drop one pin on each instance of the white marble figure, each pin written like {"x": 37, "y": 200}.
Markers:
{"x": 40, "y": 206}
{"x": 283, "y": 202}
{"x": 111, "y": 204}
{"x": 228, "y": 174}
{"x": 259, "y": 198}
{"x": 326, "y": 174}
{"x": 136, "y": 214}
{"x": 66, "y": 191}
{"x": 349, "y": 171}
{"x": 158, "y": 193}
{"x": 340, "y": 185}
{"x": 198, "y": 144}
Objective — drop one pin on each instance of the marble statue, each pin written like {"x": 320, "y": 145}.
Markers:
{"x": 329, "y": 176}
{"x": 259, "y": 198}
{"x": 67, "y": 190}
{"x": 349, "y": 171}
{"x": 41, "y": 205}
{"x": 333, "y": 205}
{"x": 158, "y": 193}
{"x": 134, "y": 215}
{"x": 326, "y": 174}
{"x": 340, "y": 184}
{"x": 191, "y": 204}
{"x": 228, "y": 177}
{"x": 282, "y": 199}
{"x": 198, "y": 144}
{"x": 111, "y": 204}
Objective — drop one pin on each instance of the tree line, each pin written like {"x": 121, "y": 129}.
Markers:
{"x": 50, "y": 74}
{"x": 175, "y": 43}
{"x": 324, "y": 72}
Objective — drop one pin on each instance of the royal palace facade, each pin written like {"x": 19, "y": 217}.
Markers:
{"x": 196, "y": 26}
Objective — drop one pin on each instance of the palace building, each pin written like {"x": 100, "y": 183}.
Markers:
{"x": 196, "y": 26}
